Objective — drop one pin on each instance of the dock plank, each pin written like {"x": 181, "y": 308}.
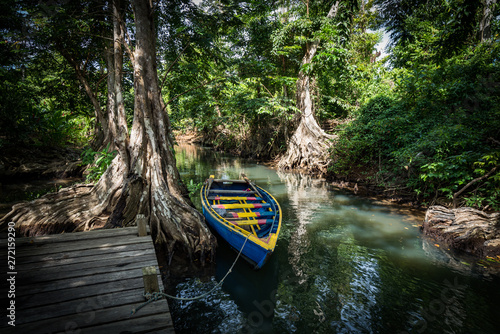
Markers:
{"x": 134, "y": 325}
{"x": 79, "y": 305}
{"x": 67, "y": 263}
{"x": 86, "y": 282}
{"x": 86, "y": 244}
{"x": 70, "y": 237}
{"x": 87, "y": 252}
{"x": 93, "y": 318}
{"x": 58, "y": 296}
{"x": 88, "y": 270}
{"x": 33, "y": 287}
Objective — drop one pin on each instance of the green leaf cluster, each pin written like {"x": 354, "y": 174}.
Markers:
{"x": 40, "y": 107}
{"x": 435, "y": 132}
{"x": 98, "y": 162}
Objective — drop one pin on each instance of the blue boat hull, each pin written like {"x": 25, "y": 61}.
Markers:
{"x": 253, "y": 253}
{"x": 259, "y": 243}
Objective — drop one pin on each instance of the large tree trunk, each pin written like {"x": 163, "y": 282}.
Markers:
{"x": 486, "y": 17}
{"x": 117, "y": 134}
{"x": 142, "y": 180}
{"x": 118, "y": 120}
{"x": 308, "y": 147}
{"x": 170, "y": 213}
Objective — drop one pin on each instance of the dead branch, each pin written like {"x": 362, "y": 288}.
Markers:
{"x": 458, "y": 193}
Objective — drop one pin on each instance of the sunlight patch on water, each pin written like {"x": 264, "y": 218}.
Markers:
{"x": 359, "y": 304}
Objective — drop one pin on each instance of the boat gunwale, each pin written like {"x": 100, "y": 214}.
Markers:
{"x": 271, "y": 238}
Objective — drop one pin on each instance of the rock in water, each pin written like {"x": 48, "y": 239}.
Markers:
{"x": 466, "y": 229}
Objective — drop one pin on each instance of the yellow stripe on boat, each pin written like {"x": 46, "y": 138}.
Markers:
{"x": 235, "y": 198}
{"x": 270, "y": 241}
{"x": 251, "y": 222}
{"x": 241, "y": 206}
{"x": 265, "y": 214}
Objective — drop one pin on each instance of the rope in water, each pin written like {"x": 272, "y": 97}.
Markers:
{"x": 159, "y": 295}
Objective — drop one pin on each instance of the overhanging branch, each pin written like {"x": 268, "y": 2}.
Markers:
{"x": 458, "y": 193}
{"x": 187, "y": 91}
{"x": 171, "y": 65}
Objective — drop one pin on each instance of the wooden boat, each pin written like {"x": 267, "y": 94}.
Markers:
{"x": 244, "y": 215}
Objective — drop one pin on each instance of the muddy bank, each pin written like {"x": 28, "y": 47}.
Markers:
{"x": 27, "y": 173}
{"x": 22, "y": 163}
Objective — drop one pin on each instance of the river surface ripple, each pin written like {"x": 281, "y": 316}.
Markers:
{"x": 343, "y": 264}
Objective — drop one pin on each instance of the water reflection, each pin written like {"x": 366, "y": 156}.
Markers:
{"x": 343, "y": 264}
{"x": 306, "y": 196}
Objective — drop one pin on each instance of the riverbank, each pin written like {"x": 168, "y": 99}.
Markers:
{"x": 363, "y": 180}
{"x": 27, "y": 173}
{"x": 359, "y": 184}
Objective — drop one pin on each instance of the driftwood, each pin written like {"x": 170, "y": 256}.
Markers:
{"x": 465, "y": 229}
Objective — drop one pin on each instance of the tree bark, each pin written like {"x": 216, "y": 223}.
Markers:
{"x": 118, "y": 120}
{"x": 486, "y": 17}
{"x": 111, "y": 100}
{"x": 466, "y": 229}
{"x": 117, "y": 135}
{"x": 309, "y": 145}
{"x": 146, "y": 182}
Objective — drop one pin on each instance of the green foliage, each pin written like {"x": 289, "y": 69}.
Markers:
{"x": 436, "y": 132}
{"x": 194, "y": 188}
{"x": 40, "y": 99}
{"x": 32, "y": 113}
{"x": 245, "y": 106}
{"x": 33, "y": 195}
{"x": 424, "y": 31}
{"x": 98, "y": 162}
{"x": 229, "y": 70}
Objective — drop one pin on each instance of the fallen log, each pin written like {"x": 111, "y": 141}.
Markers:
{"x": 465, "y": 229}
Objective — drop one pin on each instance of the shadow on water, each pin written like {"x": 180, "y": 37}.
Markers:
{"x": 343, "y": 264}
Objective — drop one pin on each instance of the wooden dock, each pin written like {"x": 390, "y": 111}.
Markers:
{"x": 85, "y": 282}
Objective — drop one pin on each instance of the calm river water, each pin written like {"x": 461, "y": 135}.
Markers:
{"x": 343, "y": 264}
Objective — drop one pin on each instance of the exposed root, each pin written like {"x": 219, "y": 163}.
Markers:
{"x": 115, "y": 201}
{"x": 77, "y": 208}
{"x": 308, "y": 149}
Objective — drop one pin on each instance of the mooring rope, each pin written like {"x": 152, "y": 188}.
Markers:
{"x": 152, "y": 297}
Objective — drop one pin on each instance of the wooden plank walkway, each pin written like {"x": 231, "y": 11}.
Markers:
{"x": 85, "y": 282}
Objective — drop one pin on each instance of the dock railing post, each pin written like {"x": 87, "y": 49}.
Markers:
{"x": 142, "y": 223}
{"x": 150, "y": 279}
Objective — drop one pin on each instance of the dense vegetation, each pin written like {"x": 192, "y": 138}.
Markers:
{"x": 436, "y": 132}
{"x": 425, "y": 119}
